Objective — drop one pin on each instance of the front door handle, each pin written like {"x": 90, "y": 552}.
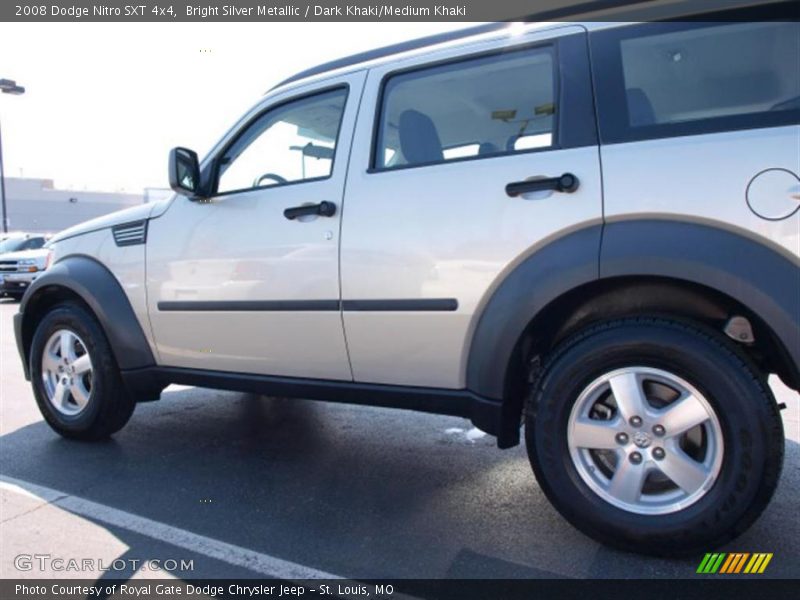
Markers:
{"x": 566, "y": 183}
{"x": 323, "y": 209}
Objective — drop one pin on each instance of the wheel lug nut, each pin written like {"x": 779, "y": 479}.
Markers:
{"x": 622, "y": 438}
{"x": 658, "y": 453}
{"x": 659, "y": 430}
{"x": 635, "y": 458}
{"x": 636, "y": 421}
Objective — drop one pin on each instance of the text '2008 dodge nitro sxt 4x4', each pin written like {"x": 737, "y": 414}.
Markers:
{"x": 589, "y": 229}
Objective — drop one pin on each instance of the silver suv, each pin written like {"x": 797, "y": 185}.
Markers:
{"x": 22, "y": 259}
{"x": 591, "y": 230}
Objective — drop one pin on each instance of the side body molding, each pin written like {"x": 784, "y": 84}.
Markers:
{"x": 549, "y": 272}
{"x": 763, "y": 279}
{"x": 101, "y": 291}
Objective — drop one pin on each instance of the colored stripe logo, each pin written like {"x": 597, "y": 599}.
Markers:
{"x": 734, "y": 563}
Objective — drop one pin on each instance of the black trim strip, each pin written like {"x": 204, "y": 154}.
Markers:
{"x": 414, "y": 305}
{"x": 248, "y": 305}
{"x": 422, "y": 304}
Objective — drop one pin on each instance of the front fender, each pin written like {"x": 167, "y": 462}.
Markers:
{"x": 99, "y": 289}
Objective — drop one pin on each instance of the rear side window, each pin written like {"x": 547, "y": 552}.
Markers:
{"x": 481, "y": 107}
{"x": 670, "y": 79}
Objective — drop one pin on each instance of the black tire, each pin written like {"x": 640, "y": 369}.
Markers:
{"x": 109, "y": 406}
{"x": 737, "y": 392}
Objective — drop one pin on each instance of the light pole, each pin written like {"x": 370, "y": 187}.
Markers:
{"x": 7, "y": 86}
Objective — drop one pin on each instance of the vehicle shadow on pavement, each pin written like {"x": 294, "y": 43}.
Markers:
{"x": 355, "y": 491}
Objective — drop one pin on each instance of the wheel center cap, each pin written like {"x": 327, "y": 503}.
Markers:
{"x": 642, "y": 439}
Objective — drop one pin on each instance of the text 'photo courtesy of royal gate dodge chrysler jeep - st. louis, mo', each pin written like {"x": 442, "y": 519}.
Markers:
{"x": 589, "y": 232}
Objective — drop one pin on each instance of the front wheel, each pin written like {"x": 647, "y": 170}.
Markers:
{"x": 75, "y": 378}
{"x": 654, "y": 436}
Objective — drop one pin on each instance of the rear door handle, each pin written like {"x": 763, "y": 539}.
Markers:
{"x": 323, "y": 209}
{"x": 566, "y": 183}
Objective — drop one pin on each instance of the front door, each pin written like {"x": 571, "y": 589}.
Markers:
{"x": 249, "y": 280}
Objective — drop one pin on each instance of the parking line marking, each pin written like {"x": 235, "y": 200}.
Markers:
{"x": 258, "y": 562}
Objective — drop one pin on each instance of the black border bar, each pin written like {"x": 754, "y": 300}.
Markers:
{"x": 700, "y": 587}
{"x": 332, "y": 11}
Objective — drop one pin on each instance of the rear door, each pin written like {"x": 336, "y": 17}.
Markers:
{"x": 430, "y": 228}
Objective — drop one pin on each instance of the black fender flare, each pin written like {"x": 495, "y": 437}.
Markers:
{"x": 755, "y": 273}
{"x": 552, "y": 270}
{"x": 93, "y": 283}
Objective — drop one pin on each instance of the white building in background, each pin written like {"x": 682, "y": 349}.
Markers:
{"x": 34, "y": 205}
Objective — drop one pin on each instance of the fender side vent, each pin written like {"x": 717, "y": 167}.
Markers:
{"x": 130, "y": 234}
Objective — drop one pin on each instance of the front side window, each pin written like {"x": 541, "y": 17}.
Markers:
{"x": 664, "y": 79}
{"x": 480, "y": 107}
{"x": 292, "y": 142}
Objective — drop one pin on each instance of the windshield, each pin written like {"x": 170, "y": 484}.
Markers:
{"x": 16, "y": 244}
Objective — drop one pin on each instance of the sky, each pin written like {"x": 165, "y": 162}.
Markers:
{"x": 105, "y": 102}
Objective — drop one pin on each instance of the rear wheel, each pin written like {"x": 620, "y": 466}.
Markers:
{"x": 75, "y": 378}
{"x": 654, "y": 436}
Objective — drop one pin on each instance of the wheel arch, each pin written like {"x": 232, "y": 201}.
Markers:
{"x": 710, "y": 275}
{"x": 88, "y": 282}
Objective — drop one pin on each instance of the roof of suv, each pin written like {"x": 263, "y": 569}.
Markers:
{"x": 608, "y": 11}
{"x": 393, "y": 49}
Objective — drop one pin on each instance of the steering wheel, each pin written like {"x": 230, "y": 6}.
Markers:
{"x": 275, "y": 177}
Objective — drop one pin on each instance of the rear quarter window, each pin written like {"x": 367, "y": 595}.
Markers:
{"x": 670, "y": 79}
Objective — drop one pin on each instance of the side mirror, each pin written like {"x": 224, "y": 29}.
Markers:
{"x": 184, "y": 172}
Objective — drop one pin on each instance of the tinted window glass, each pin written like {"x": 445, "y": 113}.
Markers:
{"x": 33, "y": 244}
{"x": 292, "y": 142}
{"x": 11, "y": 244}
{"x": 712, "y": 72}
{"x": 480, "y": 107}
{"x": 665, "y": 79}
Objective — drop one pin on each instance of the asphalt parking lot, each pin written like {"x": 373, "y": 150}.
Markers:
{"x": 247, "y": 486}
